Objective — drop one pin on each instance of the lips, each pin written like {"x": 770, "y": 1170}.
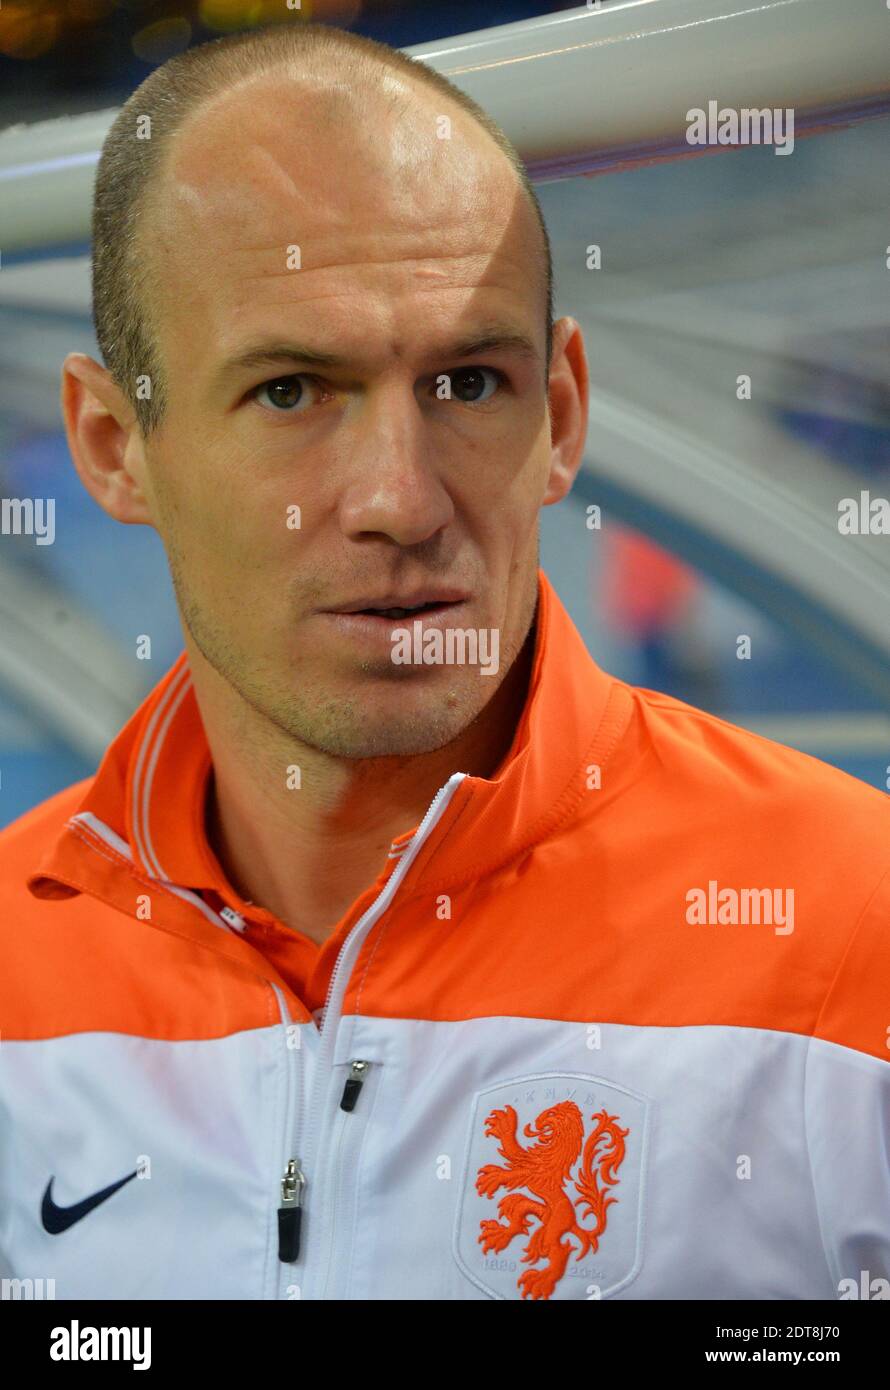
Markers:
{"x": 396, "y": 605}
{"x": 399, "y": 612}
{"x": 373, "y": 629}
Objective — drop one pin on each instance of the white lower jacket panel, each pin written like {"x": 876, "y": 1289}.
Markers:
{"x": 488, "y": 1158}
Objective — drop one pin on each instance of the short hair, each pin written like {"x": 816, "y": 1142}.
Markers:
{"x": 129, "y": 167}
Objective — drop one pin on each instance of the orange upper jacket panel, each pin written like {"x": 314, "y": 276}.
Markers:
{"x": 630, "y": 850}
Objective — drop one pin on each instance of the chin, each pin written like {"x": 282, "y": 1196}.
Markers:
{"x": 406, "y": 734}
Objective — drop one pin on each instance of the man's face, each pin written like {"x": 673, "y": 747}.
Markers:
{"x": 408, "y": 245}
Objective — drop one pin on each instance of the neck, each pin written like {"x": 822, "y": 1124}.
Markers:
{"x": 307, "y": 857}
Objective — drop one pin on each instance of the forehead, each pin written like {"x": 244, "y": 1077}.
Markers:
{"x": 376, "y": 190}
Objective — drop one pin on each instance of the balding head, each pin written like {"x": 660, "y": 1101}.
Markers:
{"x": 252, "y": 196}
{"x": 361, "y": 124}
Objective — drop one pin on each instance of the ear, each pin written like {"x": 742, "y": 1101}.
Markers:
{"x": 567, "y": 396}
{"x": 104, "y": 439}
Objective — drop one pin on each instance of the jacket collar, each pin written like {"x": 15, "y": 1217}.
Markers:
{"x": 150, "y": 787}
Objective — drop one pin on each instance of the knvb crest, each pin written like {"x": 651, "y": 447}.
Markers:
{"x": 560, "y": 1159}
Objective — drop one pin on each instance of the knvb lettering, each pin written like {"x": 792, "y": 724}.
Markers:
{"x": 741, "y": 906}
{"x": 745, "y": 126}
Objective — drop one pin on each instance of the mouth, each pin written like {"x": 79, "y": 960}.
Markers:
{"x": 405, "y": 604}
{"x": 397, "y": 613}
{"x": 370, "y": 623}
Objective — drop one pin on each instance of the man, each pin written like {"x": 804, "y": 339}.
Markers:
{"x": 358, "y": 975}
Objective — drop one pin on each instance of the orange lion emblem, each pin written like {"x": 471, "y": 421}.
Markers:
{"x": 544, "y": 1168}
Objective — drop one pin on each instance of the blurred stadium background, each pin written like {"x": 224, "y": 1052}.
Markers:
{"x": 711, "y": 267}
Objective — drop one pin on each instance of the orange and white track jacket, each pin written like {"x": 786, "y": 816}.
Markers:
{"x": 613, "y": 1023}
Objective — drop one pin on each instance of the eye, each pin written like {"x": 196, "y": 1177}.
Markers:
{"x": 284, "y": 394}
{"x": 468, "y": 384}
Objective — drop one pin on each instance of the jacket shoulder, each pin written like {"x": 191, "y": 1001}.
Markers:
{"x": 719, "y": 782}
{"x": 25, "y": 839}
{"x": 711, "y": 746}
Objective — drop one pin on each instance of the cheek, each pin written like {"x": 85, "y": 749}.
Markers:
{"x": 509, "y": 506}
{"x": 215, "y": 501}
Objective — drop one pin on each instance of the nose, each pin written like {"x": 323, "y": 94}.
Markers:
{"x": 394, "y": 486}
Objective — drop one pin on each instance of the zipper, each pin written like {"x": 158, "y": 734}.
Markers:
{"x": 290, "y": 1212}
{"x": 330, "y": 1017}
{"x": 293, "y": 1180}
{"x": 352, "y": 1088}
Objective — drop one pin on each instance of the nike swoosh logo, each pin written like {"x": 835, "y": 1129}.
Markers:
{"x": 57, "y": 1219}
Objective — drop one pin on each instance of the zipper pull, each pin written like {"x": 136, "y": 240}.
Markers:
{"x": 353, "y": 1086}
{"x": 290, "y": 1212}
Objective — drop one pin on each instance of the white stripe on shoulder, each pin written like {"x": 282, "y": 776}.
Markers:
{"x": 110, "y": 837}
{"x": 142, "y": 779}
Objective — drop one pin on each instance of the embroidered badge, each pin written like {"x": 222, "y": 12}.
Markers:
{"x": 557, "y": 1189}
{"x": 545, "y": 1168}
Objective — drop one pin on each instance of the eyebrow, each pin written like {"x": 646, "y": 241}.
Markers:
{"x": 272, "y": 354}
